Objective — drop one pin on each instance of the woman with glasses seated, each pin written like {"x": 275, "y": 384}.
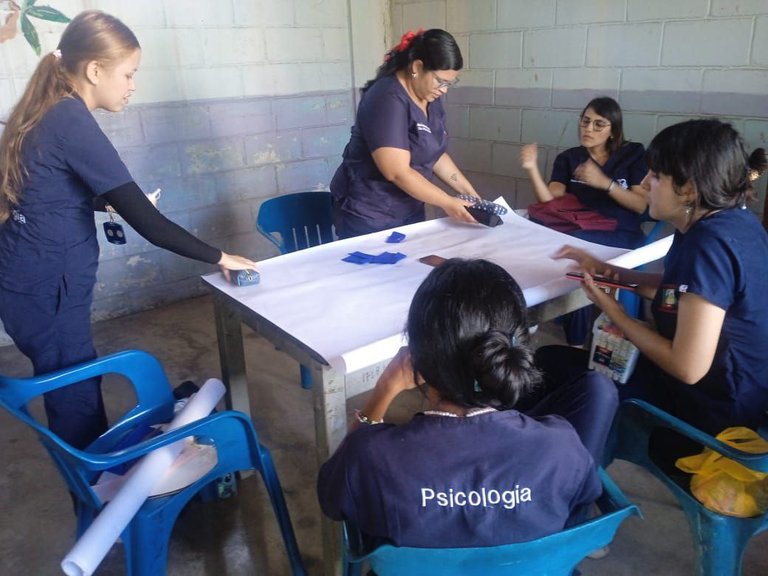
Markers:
{"x": 605, "y": 174}
{"x": 473, "y": 468}
{"x": 399, "y": 141}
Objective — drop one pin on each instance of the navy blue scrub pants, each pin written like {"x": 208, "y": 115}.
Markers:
{"x": 54, "y": 332}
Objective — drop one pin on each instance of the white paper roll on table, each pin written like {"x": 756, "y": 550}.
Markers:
{"x": 93, "y": 545}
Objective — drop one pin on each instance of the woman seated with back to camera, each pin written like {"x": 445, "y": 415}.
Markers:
{"x": 706, "y": 360}
{"x": 471, "y": 470}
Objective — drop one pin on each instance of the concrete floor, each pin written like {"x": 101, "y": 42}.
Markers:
{"x": 239, "y": 536}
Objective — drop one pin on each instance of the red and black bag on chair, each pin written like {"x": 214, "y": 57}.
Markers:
{"x": 567, "y": 214}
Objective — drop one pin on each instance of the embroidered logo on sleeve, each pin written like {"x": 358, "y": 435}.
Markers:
{"x": 481, "y": 498}
{"x": 668, "y": 300}
{"x": 423, "y": 128}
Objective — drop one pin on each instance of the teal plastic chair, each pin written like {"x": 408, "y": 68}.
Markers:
{"x": 147, "y": 535}
{"x": 554, "y": 555}
{"x": 296, "y": 221}
{"x": 719, "y": 540}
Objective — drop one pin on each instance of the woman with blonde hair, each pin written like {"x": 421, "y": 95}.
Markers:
{"x": 56, "y": 167}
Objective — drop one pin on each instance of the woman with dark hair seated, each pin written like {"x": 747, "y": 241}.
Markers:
{"x": 706, "y": 360}
{"x": 399, "y": 141}
{"x": 604, "y": 173}
{"x": 471, "y": 470}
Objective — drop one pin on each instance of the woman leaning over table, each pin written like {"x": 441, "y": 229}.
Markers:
{"x": 706, "y": 362}
{"x": 55, "y": 165}
{"x": 399, "y": 141}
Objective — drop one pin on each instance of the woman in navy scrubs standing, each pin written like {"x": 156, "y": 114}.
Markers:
{"x": 399, "y": 141}
{"x": 56, "y": 165}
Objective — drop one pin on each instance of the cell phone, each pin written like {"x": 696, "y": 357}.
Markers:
{"x": 601, "y": 280}
{"x": 484, "y": 217}
{"x": 432, "y": 260}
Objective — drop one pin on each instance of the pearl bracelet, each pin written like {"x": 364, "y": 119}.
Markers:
{"x": 363, "y": 419}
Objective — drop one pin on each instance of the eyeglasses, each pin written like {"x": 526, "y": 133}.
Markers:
{"x": 597, "y": 125}
{"x": 444, "y": 83}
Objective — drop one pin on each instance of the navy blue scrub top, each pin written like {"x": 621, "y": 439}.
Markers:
{"x": 387, "y": 117}
{"x": 721, "y": 258}
{"x": 626, "y": 166}
{"x": 51, "y": 235}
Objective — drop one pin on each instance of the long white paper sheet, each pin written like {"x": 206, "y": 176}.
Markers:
{"x": 93, "y": 545}
{"x": 354, "y": 315}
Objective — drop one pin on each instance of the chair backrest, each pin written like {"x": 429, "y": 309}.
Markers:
{"x": 154, "y": 403}
{"x": 297, "y": 221}
{"x": 553, "y": 555}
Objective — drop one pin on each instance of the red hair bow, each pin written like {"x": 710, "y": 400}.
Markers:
{"x": 406, "y": 40}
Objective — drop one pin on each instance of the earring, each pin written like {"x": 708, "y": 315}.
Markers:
{"x": 689, "y": 210}
{"x": 413, "y": 74}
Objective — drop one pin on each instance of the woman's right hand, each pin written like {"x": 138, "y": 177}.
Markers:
{"x": 587, "y": 263}
{"x": 231, "y": 262}
{"x": 455, "y": 208}
{"x": 529, "y": 155}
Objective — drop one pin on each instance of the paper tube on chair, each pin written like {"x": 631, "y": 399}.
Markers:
{"x": 93, "y": 545}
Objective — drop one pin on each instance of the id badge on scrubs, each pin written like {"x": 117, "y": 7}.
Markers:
{"x": 113, "y": 230}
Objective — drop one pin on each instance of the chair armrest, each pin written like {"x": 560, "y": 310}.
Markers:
{"x": 216, "y": 427}
{"x": 271, "y": 237}
{"x": 655, "y": 417}
{"x": 140, "y": 368}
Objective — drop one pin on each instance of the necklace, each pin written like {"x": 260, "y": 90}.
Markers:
{"x": 469, "y": 414}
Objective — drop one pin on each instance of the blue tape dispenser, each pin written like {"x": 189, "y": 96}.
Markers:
{"x": 245, "y": 277}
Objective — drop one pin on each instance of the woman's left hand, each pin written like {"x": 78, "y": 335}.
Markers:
{"x": 603, "y": 298}
{"x": 592, "y": 174}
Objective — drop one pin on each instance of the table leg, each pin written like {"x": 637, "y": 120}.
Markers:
{"x": 229, "y": 334}
{"x": 330, "y": 404}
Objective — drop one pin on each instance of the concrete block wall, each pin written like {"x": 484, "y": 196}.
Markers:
{"x": 530, "y": 67}
{"x": 237, "y": 101}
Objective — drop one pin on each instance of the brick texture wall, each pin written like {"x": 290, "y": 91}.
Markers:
{"x": 530, "y": 67}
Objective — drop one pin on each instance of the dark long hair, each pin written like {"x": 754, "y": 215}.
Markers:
{"x": 609, "y": 109}
{"x": 468, "y": 334}
{"x": 436, "y": 48}
{"x": 711, "y": 155}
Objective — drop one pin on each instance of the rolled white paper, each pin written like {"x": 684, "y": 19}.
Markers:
{"x": 93, "y": 545}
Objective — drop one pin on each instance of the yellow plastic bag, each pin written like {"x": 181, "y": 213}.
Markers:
{"x": 726, "y": 486}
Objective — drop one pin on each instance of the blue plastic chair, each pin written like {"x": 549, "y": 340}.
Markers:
{"x": 719, "y": 540}
{"x": 146, "y": 537}
{"x": 296, "y": 221}
{"x": 554, "y": 555}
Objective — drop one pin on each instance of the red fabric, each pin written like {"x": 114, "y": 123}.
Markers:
{"x": 568, "y": 214}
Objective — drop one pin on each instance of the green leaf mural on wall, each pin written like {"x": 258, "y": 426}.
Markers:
{"x": 24, "y": 13}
